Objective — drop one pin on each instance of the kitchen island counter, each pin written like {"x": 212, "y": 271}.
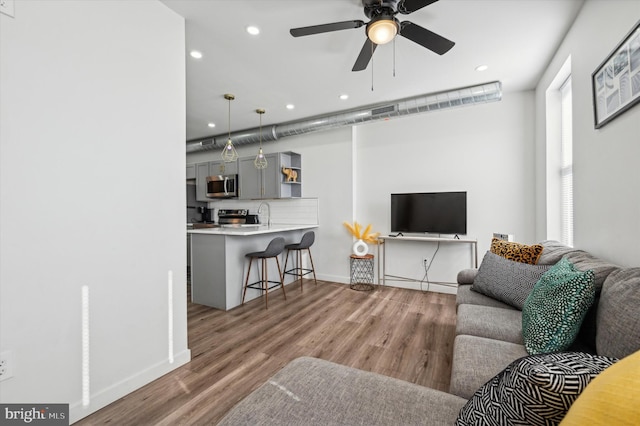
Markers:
{"x": 247, "y": 230}
{"x": 218, "y": 261}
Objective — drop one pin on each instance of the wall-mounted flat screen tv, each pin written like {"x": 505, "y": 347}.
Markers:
{"x": 429, "y": 212}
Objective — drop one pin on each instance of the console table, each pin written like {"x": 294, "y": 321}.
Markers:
{"x": 382, "y": 258}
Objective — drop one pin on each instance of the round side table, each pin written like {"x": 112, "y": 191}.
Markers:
{"x": 361, "y": 272}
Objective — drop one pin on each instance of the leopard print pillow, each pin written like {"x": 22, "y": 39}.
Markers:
{"x": 516, "y": 251}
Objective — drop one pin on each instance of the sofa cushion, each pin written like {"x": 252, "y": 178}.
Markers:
{"x": 516, "y": 251}
{"x": 553, "y": 312}
{"x": 612, "y": 398}
{"x": 465, "y": 295}
{"x": 466, "y": 276}
{"x": 477, "y": 359}
{"x": 618, "y": 324}
{"x": 490, "y": 322}
{"x": 553, "y": 251}
{"x": 534, "y": 390}
{"x": 310, "y": 391}
{"x": 507, "y": 280}
{"x": 584, "y": 261}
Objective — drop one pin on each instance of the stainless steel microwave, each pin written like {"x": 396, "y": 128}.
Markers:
{"x": 222, "y": 186}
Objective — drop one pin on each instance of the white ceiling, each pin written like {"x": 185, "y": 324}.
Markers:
{"x": 515, "y": 38}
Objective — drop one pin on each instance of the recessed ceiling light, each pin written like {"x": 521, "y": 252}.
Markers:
{"x": 290, "y": 106}
{"x": 253, "y": 30}
{"x": 196, "y": 54}
{"x": 211, "y": 124}
{"x": 482, "y": 68}
{"x": 344, "y": 97}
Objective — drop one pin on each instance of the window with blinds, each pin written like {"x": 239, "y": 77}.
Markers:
{"x": 566, "y": 165}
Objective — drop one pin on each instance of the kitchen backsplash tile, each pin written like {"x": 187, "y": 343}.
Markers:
{"x": 293, "y": 211}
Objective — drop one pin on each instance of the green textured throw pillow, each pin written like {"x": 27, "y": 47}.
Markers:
{"x": 555, "y": 308}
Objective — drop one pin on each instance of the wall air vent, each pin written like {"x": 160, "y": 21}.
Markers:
{"x": 384, "y": 110}
{"x": 207, "y": 142}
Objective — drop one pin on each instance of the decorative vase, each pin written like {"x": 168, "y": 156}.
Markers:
{"x": 360, "y": 248}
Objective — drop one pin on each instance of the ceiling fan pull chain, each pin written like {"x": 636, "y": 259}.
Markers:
{"x": 394, "y": 57}
{"x": 372, "y": 67}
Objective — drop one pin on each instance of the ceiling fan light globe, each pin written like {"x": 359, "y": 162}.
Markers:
{"x": 382, "y": 31}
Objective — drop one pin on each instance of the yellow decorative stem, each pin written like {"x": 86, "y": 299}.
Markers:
{"x": 356, "y": 231}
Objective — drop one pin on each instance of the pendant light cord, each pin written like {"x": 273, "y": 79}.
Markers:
{"x": 229, "y": 119}
{"x": 260, "y": 114}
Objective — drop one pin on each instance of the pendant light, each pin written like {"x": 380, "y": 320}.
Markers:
{"x": 260, "y": 162}
{"x": 229, "y": 153}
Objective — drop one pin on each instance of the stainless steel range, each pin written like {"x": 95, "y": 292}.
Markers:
{"x": 232, "y": 216}
{"x": 237, "y": 217}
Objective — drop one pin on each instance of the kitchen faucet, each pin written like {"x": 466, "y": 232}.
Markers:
{"x": 268, "y": 211}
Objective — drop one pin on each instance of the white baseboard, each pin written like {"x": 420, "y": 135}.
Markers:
{"x": 334, "y": 278}
{"x": 448, "y": 288}
{"x": 106, "y": 396}
{"x": 435, "y": 287}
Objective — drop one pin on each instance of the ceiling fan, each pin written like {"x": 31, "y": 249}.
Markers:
{"x": 383, "y": 27}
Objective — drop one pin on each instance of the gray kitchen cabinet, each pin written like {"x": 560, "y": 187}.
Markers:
{"x": 249, "y": 179}
{"x": 202, "y": 171}
{"x": 219, "y": 167}
{"x": 269, "y": 182}
{"x": 191, "y": 171}
{"x": 256, "y": 183}
{"x": 211, "y": 168}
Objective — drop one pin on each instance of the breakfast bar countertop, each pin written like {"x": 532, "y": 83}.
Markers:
{"x": 219, "y": 263}
{"x": 247, "y": 230}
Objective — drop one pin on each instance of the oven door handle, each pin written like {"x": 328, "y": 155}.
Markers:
{"x": 226, "y": 190}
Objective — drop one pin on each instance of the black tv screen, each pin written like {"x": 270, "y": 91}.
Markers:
{"x": 429, "y": 212}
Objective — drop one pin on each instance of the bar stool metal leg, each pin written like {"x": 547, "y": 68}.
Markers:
{"x": 313, "y": 268}
{"x": 299, "y": 272}
{"x": 299, "y": 266}
{"x": 246, "y": 282}
{"x": 281, "y": 279}
{"x": 273, "y": 250}
{"x": 265, "y": 277}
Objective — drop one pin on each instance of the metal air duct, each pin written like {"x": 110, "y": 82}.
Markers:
{"x": 480, "y": 94}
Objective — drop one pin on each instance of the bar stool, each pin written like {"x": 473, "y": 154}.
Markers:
{"x": 273, "y": 250}
{"x": 307, "y": 241}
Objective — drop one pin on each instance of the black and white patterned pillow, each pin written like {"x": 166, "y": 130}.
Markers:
{"x": 507, "y": 280}
{"x": 534, "y": 390}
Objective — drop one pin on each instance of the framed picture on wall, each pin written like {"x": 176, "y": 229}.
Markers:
{"x": 616, "y": 82}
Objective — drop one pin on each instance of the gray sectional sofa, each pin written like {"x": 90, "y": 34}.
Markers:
{"x": 489, "y": 338}
{"x": 487, "y": 326}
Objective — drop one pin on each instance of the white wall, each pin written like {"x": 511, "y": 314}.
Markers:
{"x": 606, "y": 174}
{"x": 92, "y": 194}
{"x": 485, "y": 150}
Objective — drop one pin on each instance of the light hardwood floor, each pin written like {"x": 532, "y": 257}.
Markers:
{"x": 401, "y": 333}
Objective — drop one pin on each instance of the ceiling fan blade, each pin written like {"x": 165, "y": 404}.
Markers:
{"x": 432, "y": 41}
{"x": 408, "y": 6}
{"x": 365, "y": 55}
{"x": 325, "y": 28}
